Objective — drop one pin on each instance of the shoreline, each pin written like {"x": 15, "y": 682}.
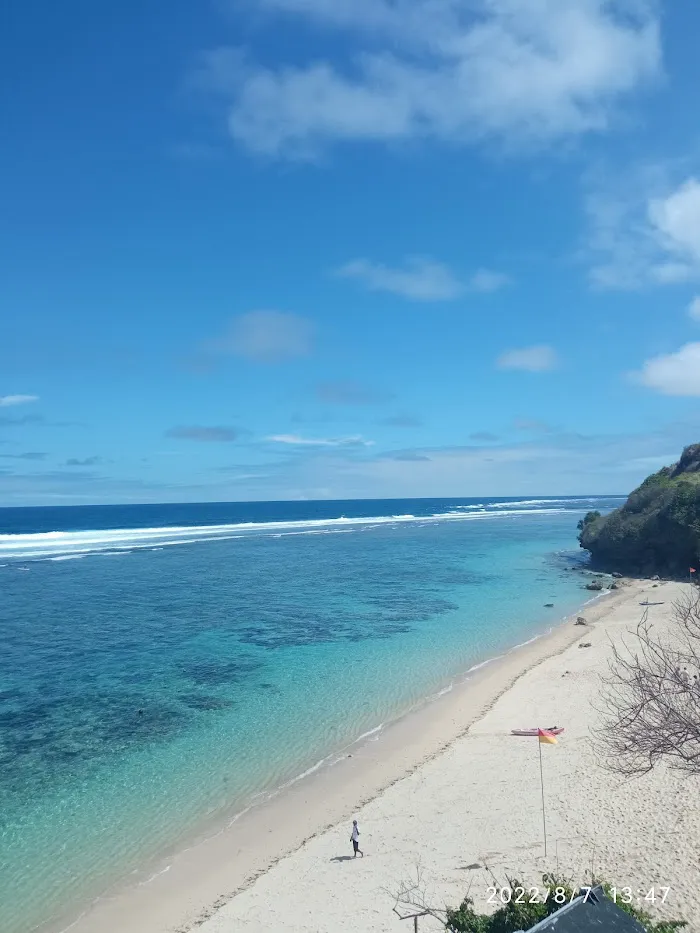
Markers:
{"x": 185, "y": 889}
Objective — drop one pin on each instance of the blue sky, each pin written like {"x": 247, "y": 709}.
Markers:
{"x": 268, "y": 249}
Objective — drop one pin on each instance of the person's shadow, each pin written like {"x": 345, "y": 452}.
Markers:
{"x": 342, "y": 858}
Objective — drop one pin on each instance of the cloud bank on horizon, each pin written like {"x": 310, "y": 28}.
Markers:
{"x": 376, "y": 248}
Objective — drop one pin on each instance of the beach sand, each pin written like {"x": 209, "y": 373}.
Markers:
{"x": 448, "y": 791}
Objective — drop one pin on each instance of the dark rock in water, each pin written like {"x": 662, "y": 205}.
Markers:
{"x": 657, "y": 531}
{"x": 594, "y": 585}
{"x": 218, "y": 671}
{"x": 273, "y": 688}
{"x": 617, "y": 576}
{"x": 549, "y": 605}
{"x": 199, "y": 701}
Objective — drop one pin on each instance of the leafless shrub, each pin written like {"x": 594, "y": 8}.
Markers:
{"x": 412, "y": 900}
{"x": 651, "y": 698}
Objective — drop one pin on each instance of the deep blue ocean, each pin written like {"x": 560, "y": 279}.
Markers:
{"x": 165, "y": 666}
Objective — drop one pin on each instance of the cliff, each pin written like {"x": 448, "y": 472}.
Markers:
{"x": 657, "y": 530}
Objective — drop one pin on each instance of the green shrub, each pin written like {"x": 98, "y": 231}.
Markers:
{"x": 657, "y": 530}
{"x": 645, "y": 919}
{"x": 588, "y": 519}
{"x": 513, "y": 917}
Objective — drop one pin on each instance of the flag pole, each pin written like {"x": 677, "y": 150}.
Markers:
{"x": 544, "y": 818}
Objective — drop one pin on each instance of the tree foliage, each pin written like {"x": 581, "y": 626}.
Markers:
{"x": 586, "y": 521}
{"x": 657, "y": 530}
{"x": 514, "y": 917}
{"x": 519, "y": 913}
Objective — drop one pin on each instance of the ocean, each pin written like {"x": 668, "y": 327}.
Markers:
{"x": 163, "y": 667}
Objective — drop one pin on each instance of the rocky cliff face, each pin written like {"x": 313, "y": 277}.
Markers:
{"x": 657, "y": 530}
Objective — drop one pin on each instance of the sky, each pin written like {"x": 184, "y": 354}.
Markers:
{"x": 288, "y": 249}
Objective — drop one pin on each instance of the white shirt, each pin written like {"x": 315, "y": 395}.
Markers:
{"x": 355, "y": 834}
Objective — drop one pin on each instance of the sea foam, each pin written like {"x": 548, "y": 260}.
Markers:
{"x": 54, "y": 545}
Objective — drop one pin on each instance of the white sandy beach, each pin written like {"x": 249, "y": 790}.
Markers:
{"x": 446, "y": 787}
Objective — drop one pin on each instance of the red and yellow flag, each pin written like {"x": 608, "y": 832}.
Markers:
{"x": 546, "y": 738}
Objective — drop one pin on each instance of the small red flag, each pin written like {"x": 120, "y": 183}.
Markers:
{"x": 692, "y": 569}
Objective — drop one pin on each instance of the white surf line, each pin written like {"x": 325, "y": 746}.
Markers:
{"x": 52, "y": 544}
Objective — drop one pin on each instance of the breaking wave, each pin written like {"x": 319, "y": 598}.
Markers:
{"x": 63, "y": 545}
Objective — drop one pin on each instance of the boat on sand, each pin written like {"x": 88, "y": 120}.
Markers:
{"x": 552, "y": 730}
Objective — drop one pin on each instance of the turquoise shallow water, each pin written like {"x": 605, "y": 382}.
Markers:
{"x": 159, "y": 673}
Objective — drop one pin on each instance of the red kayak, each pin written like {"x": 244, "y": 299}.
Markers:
{"x": 553, "y": 730}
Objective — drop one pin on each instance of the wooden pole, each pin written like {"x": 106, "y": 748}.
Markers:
{"x": 544, "y": 818}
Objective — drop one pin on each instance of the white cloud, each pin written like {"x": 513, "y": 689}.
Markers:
{"x": 342, "y": 392}
{"x": 564, "y": 464}
{"x": 265, "y": 336}
{"x": 297, "y": 441}
{"x": 402, "y": 421}
{"x": 420, "y": 279}
{"x": 532, "y": 425}
{"x": 677, "y": 220}
{"x": 484, "y": 280}
{"x": 7, "y": 401}
{"x": 529, "y": 359}
{"x": 648, "y": 464}
{"x": 673, "y": 373}
{"x": 645, "y": 230}
{"x": 694, "y": 308}
{"x": 456, "y": 70}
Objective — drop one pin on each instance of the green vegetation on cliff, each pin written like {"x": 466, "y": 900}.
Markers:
{"x": 657, "y": 530}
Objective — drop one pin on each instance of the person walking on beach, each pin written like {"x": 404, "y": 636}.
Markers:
{"x": 355, "y": 836}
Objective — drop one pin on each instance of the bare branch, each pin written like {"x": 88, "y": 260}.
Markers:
{"x": 412, "y": 900}
{"x": 651, "y": 698}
